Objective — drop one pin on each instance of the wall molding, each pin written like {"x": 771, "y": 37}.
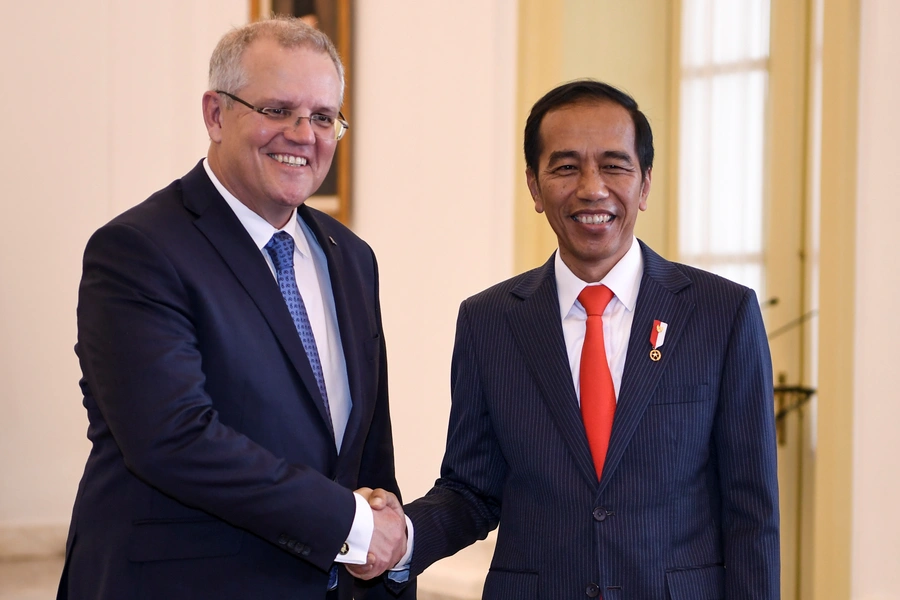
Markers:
{"x": 20, "y": 540}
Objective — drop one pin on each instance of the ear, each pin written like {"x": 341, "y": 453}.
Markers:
{"x": 645, "y": 189}
{"x": 213, "y": 107}
{"x": 535, "y": 190}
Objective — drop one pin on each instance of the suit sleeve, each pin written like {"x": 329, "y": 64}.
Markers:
{"x": 745, "y": 448}
{"x": 464, "y": 504}
{"x": 138, "y": 346}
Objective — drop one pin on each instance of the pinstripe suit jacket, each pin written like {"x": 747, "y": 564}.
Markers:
{"x": 687, "y": 507}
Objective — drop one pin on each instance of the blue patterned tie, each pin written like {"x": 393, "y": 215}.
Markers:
{"x": 281, "y": 250}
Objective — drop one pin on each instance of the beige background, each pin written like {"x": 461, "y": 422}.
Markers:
{"x": 101, "y": 107}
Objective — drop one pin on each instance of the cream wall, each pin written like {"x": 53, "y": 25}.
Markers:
{"x": 433, "y": 183}
{"x": 875, "y": 551}
{"x": 435, "y": 143}
{"x": 101, "y": 106}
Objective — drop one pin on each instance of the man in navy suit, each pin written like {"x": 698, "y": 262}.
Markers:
{"x": 229, "y": 428}
{"x": 683, "y": 501}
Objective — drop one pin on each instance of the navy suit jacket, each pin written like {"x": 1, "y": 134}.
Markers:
{"x": 213, "y": 471}
{"x": 687, "y": 506}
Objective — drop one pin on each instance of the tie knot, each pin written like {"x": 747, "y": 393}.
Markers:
{"x": 594, "y": 299}
{"x": 281, "y": 250}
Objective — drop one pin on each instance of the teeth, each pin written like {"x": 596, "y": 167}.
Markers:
{"x": 592, "y": 219}
{"x": 287, "y": 159}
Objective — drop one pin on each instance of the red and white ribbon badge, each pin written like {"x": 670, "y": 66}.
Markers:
{"x": 657, "y": 337}
{"x": 658, "y": 334}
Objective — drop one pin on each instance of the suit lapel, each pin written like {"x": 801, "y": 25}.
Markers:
{"x": 223, "y": 229}
{"x": 352, "y": 323}
{"x": 657, "y": 300}
{"x": 536, "y": 325}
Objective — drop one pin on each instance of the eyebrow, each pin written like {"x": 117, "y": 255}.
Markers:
{"x": 618, "y": 154}
{"x": 272, "y": 102}
{"x": 558, "y": 155}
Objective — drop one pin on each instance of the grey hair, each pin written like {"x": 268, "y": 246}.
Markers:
{"x": 225, "y": 69}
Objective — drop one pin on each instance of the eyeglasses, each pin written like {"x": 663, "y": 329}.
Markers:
{"x": 325, "y": 127}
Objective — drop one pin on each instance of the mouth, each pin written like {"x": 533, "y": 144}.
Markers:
{"x": 287, "y": 159}
{"x": 592, "y": 219}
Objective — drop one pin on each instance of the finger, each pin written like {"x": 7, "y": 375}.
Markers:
{"x": 365, "y": 492}
{"x": 378, "y": 499}
{"x": 384, "y": 499}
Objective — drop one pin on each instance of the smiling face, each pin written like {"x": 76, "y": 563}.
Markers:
{"x": 589, "y": 185}
{"x": 271, "y": 166}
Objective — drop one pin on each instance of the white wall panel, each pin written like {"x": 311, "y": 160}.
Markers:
{"x": 435, "y": 140}
{"x": 101, "y": 106}
{"x": 876, "y": 451}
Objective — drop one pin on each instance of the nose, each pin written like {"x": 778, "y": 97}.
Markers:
{"x": 301, "y": 132}
{"x": 592, "y": 185}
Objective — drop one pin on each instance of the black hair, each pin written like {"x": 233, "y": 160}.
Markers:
{"x": 581, "y": 90}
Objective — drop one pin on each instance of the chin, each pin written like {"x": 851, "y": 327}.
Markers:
{"x": 292, "y": 199}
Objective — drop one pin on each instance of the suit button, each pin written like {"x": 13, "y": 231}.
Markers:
{"x": 283, "y": 539}
{"x": 592, "y": 590}
{"x": 292, "y": 544}
{"x": 599, "y": 514}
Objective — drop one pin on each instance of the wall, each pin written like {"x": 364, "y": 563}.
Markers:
{"x": 875, "y": 548}
{"x": 433, "y": 178}
{"x": 832, "y": 413}
{"x": 102, "y": 106}
{"x": 435, "y": 141}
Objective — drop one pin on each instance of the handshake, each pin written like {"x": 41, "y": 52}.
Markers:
{"x": 389, "y": 539}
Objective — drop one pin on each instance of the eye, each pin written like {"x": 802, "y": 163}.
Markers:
{"x": 321, "y": 120}
{"x": 565, "y": 169}
{"x": 276, "y": 113}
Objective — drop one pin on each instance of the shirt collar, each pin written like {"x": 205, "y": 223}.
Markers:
{"x": 259, "y": 229}
{"x": 624, "y": 279}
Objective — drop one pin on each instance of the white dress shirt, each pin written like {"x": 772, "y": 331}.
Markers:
{"x": 624, "y": 279}
{"x": 314, "y": 283}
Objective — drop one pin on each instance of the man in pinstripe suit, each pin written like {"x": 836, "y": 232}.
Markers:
{"x": 686, "y": 506}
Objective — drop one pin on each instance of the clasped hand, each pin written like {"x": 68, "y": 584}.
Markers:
{"x": 388, "y": 543}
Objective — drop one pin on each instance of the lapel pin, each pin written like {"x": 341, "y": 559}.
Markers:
{"x": 657, "y": 336}
{"x": 331, "y": 239}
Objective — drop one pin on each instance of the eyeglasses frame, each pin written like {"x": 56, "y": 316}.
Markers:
{"x": 341, "y": 119}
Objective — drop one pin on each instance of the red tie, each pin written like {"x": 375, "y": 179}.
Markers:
{"x": 598, "y": 396}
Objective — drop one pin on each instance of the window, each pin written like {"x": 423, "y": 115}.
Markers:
{"x": 724, "y": 80}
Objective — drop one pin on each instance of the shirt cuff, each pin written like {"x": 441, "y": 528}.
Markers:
{"x": 355, "y": 550}
{"x": 398, "y": 576}
{"x": 401, "y": 569}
